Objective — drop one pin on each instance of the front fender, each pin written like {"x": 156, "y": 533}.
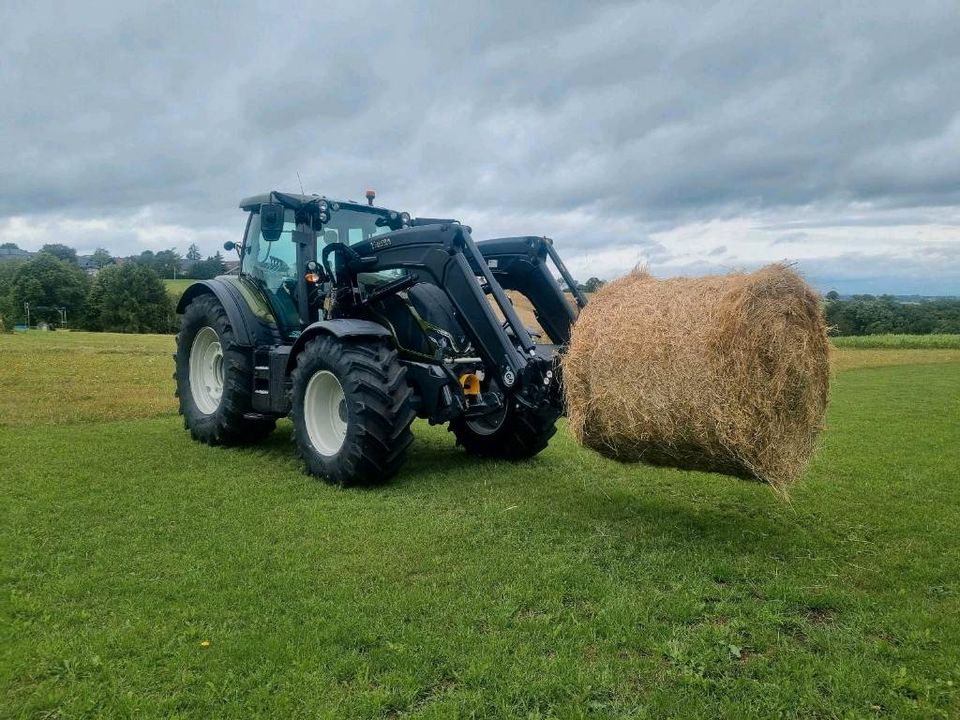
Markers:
{"x": 344, "y": 328}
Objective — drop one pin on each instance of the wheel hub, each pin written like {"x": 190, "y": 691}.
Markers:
{"x": 489, "y": 423}
{"x": 206, "y": 370}
{"x": 325, "y": 413}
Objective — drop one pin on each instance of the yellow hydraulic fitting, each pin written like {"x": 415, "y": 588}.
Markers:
{"x": 470, "y": 383}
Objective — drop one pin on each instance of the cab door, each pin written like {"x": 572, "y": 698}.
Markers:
{"x": 273, "y": 265}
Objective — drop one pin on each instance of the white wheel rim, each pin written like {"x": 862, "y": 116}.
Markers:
{"x": 325, "y": 413}
{"x": 206, "y": 370}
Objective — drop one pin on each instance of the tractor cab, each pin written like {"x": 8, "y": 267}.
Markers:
{"x": 305, "y": 224}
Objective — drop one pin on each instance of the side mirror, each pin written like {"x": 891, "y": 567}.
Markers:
{"x": 271, "y": 221}
{"x": 229, "y": 245}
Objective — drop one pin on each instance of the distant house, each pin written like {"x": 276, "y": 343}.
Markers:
{"x": 8, "y": 253}
{"x": 231, "y": 267}
{"x": 88, "y": 265}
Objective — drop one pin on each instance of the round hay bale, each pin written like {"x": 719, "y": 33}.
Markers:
{"x": 723, "y": 373}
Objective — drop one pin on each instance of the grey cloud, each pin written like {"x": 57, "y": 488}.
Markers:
{"x": 788, "y": 238}
{"x": 884, "y": 273}
{"x": 643, "y": 115}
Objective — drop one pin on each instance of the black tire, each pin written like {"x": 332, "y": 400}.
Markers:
{"x": 375, "y": 406}
{"x": 519, "y": 436}
{"x": 229, "y": 423}
{"x": 433, "y": 305}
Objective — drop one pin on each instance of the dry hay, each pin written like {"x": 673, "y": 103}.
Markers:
{"x": 724, "y": 373}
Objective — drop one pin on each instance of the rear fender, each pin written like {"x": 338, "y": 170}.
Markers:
{"x": 246, "y": 326}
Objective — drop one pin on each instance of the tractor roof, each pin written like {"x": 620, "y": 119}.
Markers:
{"x": 295, "y": 201}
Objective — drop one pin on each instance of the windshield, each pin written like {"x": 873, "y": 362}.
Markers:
{"x": 353, "y": 225}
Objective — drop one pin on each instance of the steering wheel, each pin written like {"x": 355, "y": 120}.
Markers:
{"x": 275, "y": 264}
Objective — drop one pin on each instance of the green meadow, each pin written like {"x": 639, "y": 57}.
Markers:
{"x": 147, "y": 576}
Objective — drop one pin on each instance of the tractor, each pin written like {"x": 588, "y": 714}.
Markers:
{"x": 353, "y": 319}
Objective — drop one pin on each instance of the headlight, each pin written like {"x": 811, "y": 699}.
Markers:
{"x": 323, "y": 205}
{"x": 405, "y": 218}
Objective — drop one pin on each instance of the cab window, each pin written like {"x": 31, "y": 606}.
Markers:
{"x": 274, "y": 265}
{"x": 355, "y": 225}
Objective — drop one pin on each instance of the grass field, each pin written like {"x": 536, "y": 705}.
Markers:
{"x": 145, "y": 575}
{"x": 175, "y": 288}
{"x": 899, "y": 342}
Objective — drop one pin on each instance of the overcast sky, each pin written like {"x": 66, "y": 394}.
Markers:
{"x": 689, "y": 137}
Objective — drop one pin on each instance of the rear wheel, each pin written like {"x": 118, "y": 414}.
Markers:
{"x": 351, "y": 410}
{"x": 509, "y": 434}
{"x": 214, "y": 378}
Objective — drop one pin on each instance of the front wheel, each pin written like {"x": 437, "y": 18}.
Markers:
{"x": 510, "y": 434}
{"x": 351, "y": 410}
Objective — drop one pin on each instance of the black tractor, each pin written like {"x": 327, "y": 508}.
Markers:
{"x": 354, "y": 319}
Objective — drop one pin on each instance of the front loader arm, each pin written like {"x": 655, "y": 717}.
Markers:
{"x": 445, "y": 256}
{"x": 519, "y": 263}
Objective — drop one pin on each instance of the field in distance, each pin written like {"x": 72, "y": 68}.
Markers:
{"x": 899, "y": 342}
{"x": 67, "y": 377}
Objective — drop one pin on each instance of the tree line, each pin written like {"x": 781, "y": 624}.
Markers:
{"x": 167, "y": 264}
{"x": 129, "y": 296}
{"x": 123, "y": 296}
{"x": 880, "y": 315}
{"x": 590, "y": 286}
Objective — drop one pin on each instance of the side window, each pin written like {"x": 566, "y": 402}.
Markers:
{"x": 270, "y": 262}
{"x": 274, "y": 265}
{"x": 251, "y": 243}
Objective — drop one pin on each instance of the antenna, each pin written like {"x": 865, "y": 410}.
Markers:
{"x": 301, "y": 183}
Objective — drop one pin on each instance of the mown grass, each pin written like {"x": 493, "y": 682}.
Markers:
{"x": 68, "y": 377}
{"x": 145, "y": 575}
{"x": 899, "y": 342}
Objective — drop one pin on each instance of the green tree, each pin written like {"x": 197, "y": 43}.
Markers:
{"x": 193, "y": 253}
{"x": 206, "y": 269}
{"x": 166, "y": 263}
{"x": 61, "y": 252}
{"x": 145, "y": 258}
{"x": 869, "y": 315}
{"x": 833, "y": 295}
{"x": 102, "y": 258}
{"x": 129, "y": 298}
{"x": 45, "y": 281}
{"x": 8, "y": 309}
{"x": 592, "y": 285}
